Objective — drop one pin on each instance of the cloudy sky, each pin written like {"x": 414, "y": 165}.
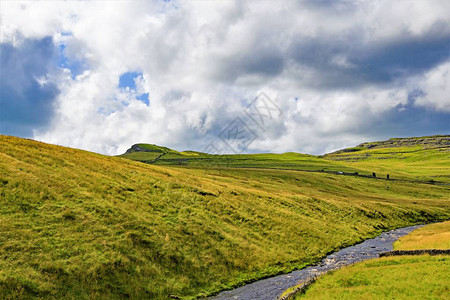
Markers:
{"x": 102, "y": 76}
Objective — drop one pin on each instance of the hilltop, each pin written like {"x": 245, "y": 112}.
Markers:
{"x": 76, "y": 224}
{"x": 424, "y": 142}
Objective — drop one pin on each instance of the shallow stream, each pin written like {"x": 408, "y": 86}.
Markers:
{"x": 271, "y": 288}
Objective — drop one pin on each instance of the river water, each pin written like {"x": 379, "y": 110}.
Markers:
{"x": 271, "y": 288}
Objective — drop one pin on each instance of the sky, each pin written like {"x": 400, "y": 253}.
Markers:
{"x": 224, "y": 76}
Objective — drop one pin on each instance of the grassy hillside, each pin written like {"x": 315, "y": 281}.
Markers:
{"x": 83, "y": 225}
{"x": 148, "y": 153}
{"x": 294, "y": 161}
{"x": 424, "y": 159}
{"x": 398, "y": 277}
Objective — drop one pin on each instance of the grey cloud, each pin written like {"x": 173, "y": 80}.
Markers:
{"x": 334, "y": 6}
{"x": 25, "y": 104}
{"x": 349, "y": 59}
{"x": 371, "y": 63}
{"x": 263, "y": 62}
{"x": 401, "y": 120}
{"x": 407, "y": 120}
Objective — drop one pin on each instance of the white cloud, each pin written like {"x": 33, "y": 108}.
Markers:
{"x": 202, "y": 61}
{"x": 436, "y": 87}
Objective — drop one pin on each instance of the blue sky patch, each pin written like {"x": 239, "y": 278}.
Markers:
{"x": 126, "y": 80}
{"x": 75, "y": 66}
{"x": 62, "y": 59}
{"x": 144, "y": 98}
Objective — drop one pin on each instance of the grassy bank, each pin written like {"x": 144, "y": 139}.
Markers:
{"x": 398, "y": 277}
{"x": 433, "y": 236}
{"x": 403, "y": 277}
{"x": 83, "y": 225}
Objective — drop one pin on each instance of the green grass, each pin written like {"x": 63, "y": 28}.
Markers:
{"x": 403, "y": 277}
{"x": 290, "y": 161}
{"x": 155, "y": 148}
{"x": 294, "y": 161}
{"x": 150, "y": 153}
{"x": 75, "y": 224}
{"x": 411, "y": 163}
{"x": 415, "y": 159}
{"x": 142, "y": 156}
{"x": 398, "y": 277}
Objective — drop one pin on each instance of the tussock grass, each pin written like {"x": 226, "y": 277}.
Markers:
{"x": 75, "y": 224}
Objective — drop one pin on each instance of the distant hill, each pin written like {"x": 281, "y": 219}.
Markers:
{"x": 149, "y": 148}
{"x": 76, "y": 224}
{"x": 147, "y": 152}
{"x": 425, "y": 142}
{"x": 416, "y": 158}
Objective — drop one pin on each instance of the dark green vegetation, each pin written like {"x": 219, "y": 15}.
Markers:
{"x": 401, "y": 277}
{"x": 424, "y": 159}
{"x": 83, "y": 225}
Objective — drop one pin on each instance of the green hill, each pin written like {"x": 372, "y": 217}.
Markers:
{"x": 416, "y": 159}
{"x": 147, "y": 152}
{"x": 76, "y": 224}
{"x": 419, "y": 158}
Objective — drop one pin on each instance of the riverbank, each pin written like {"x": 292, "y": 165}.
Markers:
{"x": 422, "y": 272}
{"x": 272, "y": 288}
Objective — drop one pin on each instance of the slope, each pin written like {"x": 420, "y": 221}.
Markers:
{"x": 418, "y": 158}
{"x": 83, "y": 225}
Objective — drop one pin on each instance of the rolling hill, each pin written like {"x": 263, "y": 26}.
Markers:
{"x": 424, "y": 159}
{"x": 76, "y": 224}
{"x": 419, "y": 158}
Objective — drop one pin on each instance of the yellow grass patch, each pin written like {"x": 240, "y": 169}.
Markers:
{"x": 433, "y": 236}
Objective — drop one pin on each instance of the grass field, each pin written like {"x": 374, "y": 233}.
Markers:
{"x": 404, "y": 162}
{"x": 75, "y": 224}
{"x": 402, "y": 277}
{"x": 425, "y": 159}
{"x": 398, "y": 277}
{"x": 294, "y": 161}
{"x": 433, "y": 236}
